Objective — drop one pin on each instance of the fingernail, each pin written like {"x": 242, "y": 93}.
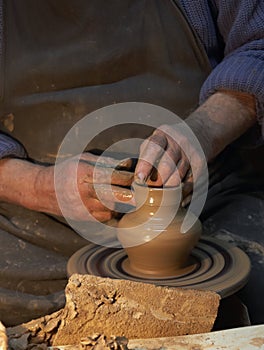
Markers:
{"x": 140, "y": 177}
{"x": 185, "y": 202}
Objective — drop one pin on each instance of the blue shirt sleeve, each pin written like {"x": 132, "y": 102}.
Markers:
{"x": 9, "y": 147}
{"x": 241, "y": 25}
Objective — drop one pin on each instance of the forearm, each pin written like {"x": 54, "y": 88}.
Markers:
{"x": 32, "y": 186}
{"x": 223, "y": 118}
{"x": 17, "y": 182}
{"x": 240, "y": 25}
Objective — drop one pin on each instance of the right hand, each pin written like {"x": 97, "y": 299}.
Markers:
{"x": 79, "y": 197}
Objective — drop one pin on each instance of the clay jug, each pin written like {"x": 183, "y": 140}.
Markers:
{"x": 151, "y": 234}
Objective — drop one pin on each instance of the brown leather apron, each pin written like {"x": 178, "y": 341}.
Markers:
{"x": 64, "y": 59}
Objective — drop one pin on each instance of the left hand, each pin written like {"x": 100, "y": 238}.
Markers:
{"x": 168, "y": 157}
{"x": 223, "y": 118}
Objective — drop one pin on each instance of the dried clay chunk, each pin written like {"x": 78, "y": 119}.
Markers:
{"x": 132, "y": 309}
{"x": 3, "y": 337}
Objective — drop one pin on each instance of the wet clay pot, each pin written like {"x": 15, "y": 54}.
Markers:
{"x": 152, "y": 237}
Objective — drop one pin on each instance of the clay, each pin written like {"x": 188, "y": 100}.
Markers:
{"x": 111, "y": 311}
{"x": 151, "y": 235}
{"x": 3, "y": 337}
{"x": 132, "y": 309}
{"x": 38, "y": 334}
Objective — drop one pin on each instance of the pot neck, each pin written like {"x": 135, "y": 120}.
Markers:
{"x": 156, "y": 196}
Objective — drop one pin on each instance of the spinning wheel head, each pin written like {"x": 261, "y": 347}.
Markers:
{"x": 214, "y": 265}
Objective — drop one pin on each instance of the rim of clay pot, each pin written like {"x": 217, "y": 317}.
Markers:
{"x": 150, "y": 195}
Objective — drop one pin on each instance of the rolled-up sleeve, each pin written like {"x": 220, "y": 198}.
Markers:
{"x": 241, "y": 24}
{"x": 9, "y": 147}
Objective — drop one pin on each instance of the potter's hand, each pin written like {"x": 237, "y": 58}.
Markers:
{"x": 224, "y": 117}
{"x": 32, "y": 186}
{"x": 169, "y": 157}
{"x": 98, "y": 185}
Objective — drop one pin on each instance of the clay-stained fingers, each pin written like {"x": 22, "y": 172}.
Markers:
{"x": 180, "y": 172}
{"x": 173, "y": 172}
{"x": 107, "y": 162}
{"x": 93, "y": 204}
{"x": 187, "y": 189}
{"x": 151, "y": 150}
{"x": 122, "y": 194}
{"x": 187, "y": 200}
{"x": 101, "y": 216}
{"x": 162, "y": 160}
{"x": 113, "y": 176}
{"x": 87, "y": 209}
{"x": 109, "y": 195}
{"x": 102, "y": 175}
{"x": 162, "y": 172}
{"x": 170, "y": 170}
{"x": 122, "y": 178}
{"x": 103, "y": 209}
{"x": 105, "y": 170}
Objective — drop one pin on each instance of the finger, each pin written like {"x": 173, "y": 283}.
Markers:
{"x": 107, "y": 162}
{"x": 83, "y": 211}
{"x": 186, "y": 201}
{"x": 118, "y": 201}
{"x": 183, "y": 167}
{"x": 107, "y": 175}
{"x": 126, "y": 164}
{"x": 94, "y": 204}
{"x": 167, "y": 168}
{"x": 165, "y": 171}
{"x": 150, "y": 152}
{"x": 123, "y": 195}
{"x": 122, "y": 178}
{"x": 174, "y": 180}
{"x": 107, "y": 192}
{"x": 96, "y": 210}
{"x": 179, "y": 174}
{"x": 187, "y": 189}
{"x": 189, "y": 175}
{"x": 102, "y": 216}
{"x": 110, "y": 196}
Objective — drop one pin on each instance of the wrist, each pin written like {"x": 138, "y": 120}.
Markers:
{"x": 223, "y": 118}
{"x": 44, "y": 190}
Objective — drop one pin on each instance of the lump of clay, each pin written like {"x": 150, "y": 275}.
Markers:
{"x": 100, "y": 342}
{"x": 3, "y": 337}
{"x": 132, "y": 310}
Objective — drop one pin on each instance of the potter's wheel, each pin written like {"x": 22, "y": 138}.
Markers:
{"x": 215, "y": 266}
